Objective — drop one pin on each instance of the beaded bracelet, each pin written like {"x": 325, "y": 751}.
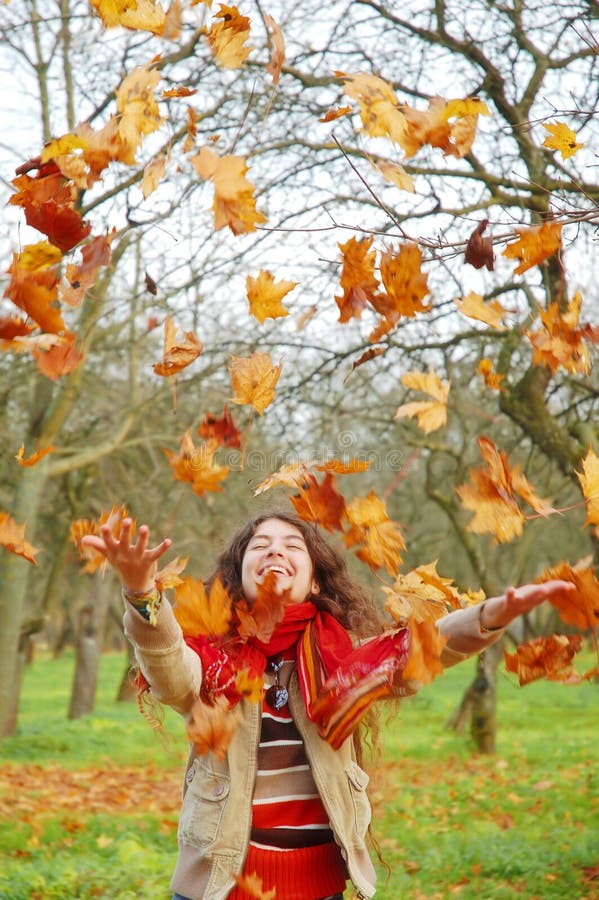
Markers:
{"x": 146, "y": 603}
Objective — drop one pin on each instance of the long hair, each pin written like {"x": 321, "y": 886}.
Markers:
{"x": 338, "y": 594}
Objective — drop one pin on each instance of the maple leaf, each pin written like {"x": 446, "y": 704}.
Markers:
{"x": 358, "y": 280}
{"x": 254, "y": 379}
{"x": 196, "y": 464}
{"x": 562, "y": 342}
{"x": 405, "y": 287}
{"x": 234, "y": 203}
{"x": 491, "y": 313}
{"x": 579, "y": 607}
{"x": 534, "y": 245}
{"x": 35, "y": 257}
{"x": 200, "y": 613}
{"x": 35, "y": 293}
{"x": 170, "y": 576}
{"x": 138, "y": 112}
{"x": 223, "y": 429}
{"x": 479, "y": 250}
{"x": 395, "y": 174}
{"x": 12, "y": 327}
{"x": 34, "y": 458}
{"x": 379, "y": 538}
{"x": 265, "y": 296}
{"x": 144, "y": 15}
{"x": 227, "y": 37}
{"x": 60, "y": 358}
{"x": 277, "y": 48}
{"x": 492, "y": 379}
{"x": 94, "y": 560}
{"x": 431, "y": 414}
{"x": 249, "y": 686}
{"x": 492, "y": 496}
{"x": 321, "y": 503}
{"x": 379, "y": 107}
{"x": 211, "y": 727}
{"x": 12, "y": 537}
{"x": 290, "y": 475}
{"x": 413, "y": 602}
{"x": 80, "y": 278}
{"x": 154, "y": 172}
{"x": 252, "y": 885}
{"x": 589, "y": 483}
{"x": 177, "y": 353}
{"x": 453, "y": 597}
{"x": 561, "y": 138}
{"x": 336, "y": 113}
{"x": 434, "y": 128}
{"x": 267, "y": 611}
{"x": 546, "y": 657}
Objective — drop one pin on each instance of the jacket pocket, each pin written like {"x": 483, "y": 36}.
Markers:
{"x": 203, "y": 804}
{"x": 358, "y": 782}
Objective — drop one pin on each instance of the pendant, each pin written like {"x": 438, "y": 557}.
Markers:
{"x": 277, "y": 696}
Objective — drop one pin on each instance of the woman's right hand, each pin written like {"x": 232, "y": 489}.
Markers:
{"x": 135, "y": 563}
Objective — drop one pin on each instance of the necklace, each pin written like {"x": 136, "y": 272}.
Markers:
{"x": 277, "y": 694}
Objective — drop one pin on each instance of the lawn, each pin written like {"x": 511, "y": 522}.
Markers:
{"x": 88, "y": 808}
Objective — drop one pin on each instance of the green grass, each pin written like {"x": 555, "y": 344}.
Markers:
{"x": 524, "y": 822}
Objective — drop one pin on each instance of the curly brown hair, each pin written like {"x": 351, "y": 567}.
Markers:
{"x": 349, "y": 602}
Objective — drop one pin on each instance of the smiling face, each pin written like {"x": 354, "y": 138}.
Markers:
{"x": 277, "y": 546}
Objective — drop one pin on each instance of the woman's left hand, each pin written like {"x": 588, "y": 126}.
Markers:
{"x": 500, "y": 611}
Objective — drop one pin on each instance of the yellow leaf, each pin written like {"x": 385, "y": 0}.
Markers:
{"x": 265, "y": 296}
{"x": 154, "y": 172}
{"x": 138, "y": 110}
{"x": 395, "y": 174}
{"x": 589, "y": 483}
{"x": 491, "y": 313}
{"x": 145, "y": 15}
{"x": 431, "y": 414}
{"x": 170, "y": 576}
{"x": 561, "y": 138}
{"x": 492, "y": 379}
{"x": 36, "y": 257}
{"x": 471, "y": 106}
{"x": 249, "y": 686}
{"x": 227, "y": 37}
{"x": 62, "y": 145}
{"x": 254, "y": 380}
{"x": 379, "y": 538}
{"x": 200, "y": 613}
{"x": 378, "y": 104}
{"x": 178, "y": 352}
{"x": 234, "y": 203}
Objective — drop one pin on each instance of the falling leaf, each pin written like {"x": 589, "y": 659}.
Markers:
{"x": 378, "y": 106}
{"x": 561, "y": 341}
{"x": 200, "y": 613}
{"x": 395, "y": 174}
{"x": 12, "y": 537}
{"x": 378, "y": 537}
{"x": 35, "y": 293}
{"x": 369, "y": 354}
{"x": 222, "y": 429}
{"x": 211, "y": 727}
{"x": 196, "y": 465}
{"x": 95, "y": 560}
{"x": 180, "y": 91}
{"x": 138, "y": 110}
{"x": 34, "y": 458}
{"x": 254, "y": 380}
{"x": 267, "y": 611}
{"x": 252, "y": 885}
{"x": 265, "y": 296}
{"x": 151, "y": 285}
{"x": 61, "y": 358}
{"x": 80, "y": 278}
{"x": 277, "y": 51}
{"x": 249, "y": 686}
{"x": 413, "y": 602}
{"x": 154, "y": 172}
{"x": 305, "y": 317}
{"x": 36, "y": 257}
{"x": 12, "y": 327}
{"x": 589, "y": 483}
{"x": 405, "y": 288}
{"x": 534, "y": 245}
{"x": 234, "y": 202}
{"x": 344, "y": 466}
{"x": 290, "y": 475}
{"x": 479, "y": 250}
{"x": 62, "y": 146}
{"x": 321, "y": 502}
{"x": 546, "y": 657}
{"x": 431, "y": 414}
{"x": 492, "y": 379}
{"x": 358, "y": 281}
{"x": 433, "y": 126}
{"x": 170, "y": 576}
{"x": 177, "y": 353}
{"x": 145, "y": 15}
{"x": 491, "y": 313}
{"x": 561, "y": 138}
{"x": 580, "y": 607}
{"x": 227, "y": 38}
{"x": 48, "y": 202}
{"x": 337, "y": 113}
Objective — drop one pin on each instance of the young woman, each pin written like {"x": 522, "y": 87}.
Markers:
{"x": 288, "y": 802}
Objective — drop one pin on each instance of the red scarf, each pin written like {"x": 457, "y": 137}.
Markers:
{"x": 339, "y": 683}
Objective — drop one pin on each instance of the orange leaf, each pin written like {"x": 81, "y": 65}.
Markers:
{"x": 227, "y": 38}
{"x": 379, "y": 538}
{"x": 12, "y": 536}
{"x": 277, "y": 48}
{"x": 589, "y": 483}
{"x": 418, "y": 604}
{"x": 249, "y": 686}
{"x": 546, "y": 657}
{"x": 254, "y": 380}
{"x": 378, "y": 105}
{"x": 534, "y": 245}
{"x": 35, "y": 293}
{"x": 83, "y": 276}
{"x": 211, "y": 728}
{"x": 492, "y": 379}
{"x": 561, "y": 342}
{"x": 265, "y": 296}
{"x": 223, "y": 429}
{"x": 358, "y": 281}
{"x": 321, "y": 503}
{"x": 267, "y": 611}
{"x": 34, "y": 458}
{"x": 579, "y": 607}
{"x": 252, "y": 885}
{"x": 234, "y": 203}
{"x": 344, "y": 466}
{"x": 337, "y": 113}
{"x": 80, "y": 527}
{"x": 60, "y": 358}
{"x": 169, "y": 577}
{"x": 199, "y": 613}
{"x": 196, "y": 464}
{"x": 177, "y": 353}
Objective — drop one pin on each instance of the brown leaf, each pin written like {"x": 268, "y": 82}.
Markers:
{"x": 546, "y": 657}
{"x": 479, "y": 250}
{"x": 277, "y": 48}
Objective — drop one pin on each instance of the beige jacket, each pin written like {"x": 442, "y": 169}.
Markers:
{"x": 215, "y": 820}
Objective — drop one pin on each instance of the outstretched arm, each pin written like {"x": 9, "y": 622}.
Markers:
{"x": 498, "y": 612}
{"x": 135, "y": 563}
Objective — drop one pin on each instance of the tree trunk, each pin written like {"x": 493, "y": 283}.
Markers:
{"x": 88, "y": 647}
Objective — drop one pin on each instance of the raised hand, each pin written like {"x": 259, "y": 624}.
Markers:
{"x": 499, "y": 611}
{"x": 135, "y": 563}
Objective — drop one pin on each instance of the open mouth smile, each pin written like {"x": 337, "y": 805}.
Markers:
{"x": 273, "y": 567}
